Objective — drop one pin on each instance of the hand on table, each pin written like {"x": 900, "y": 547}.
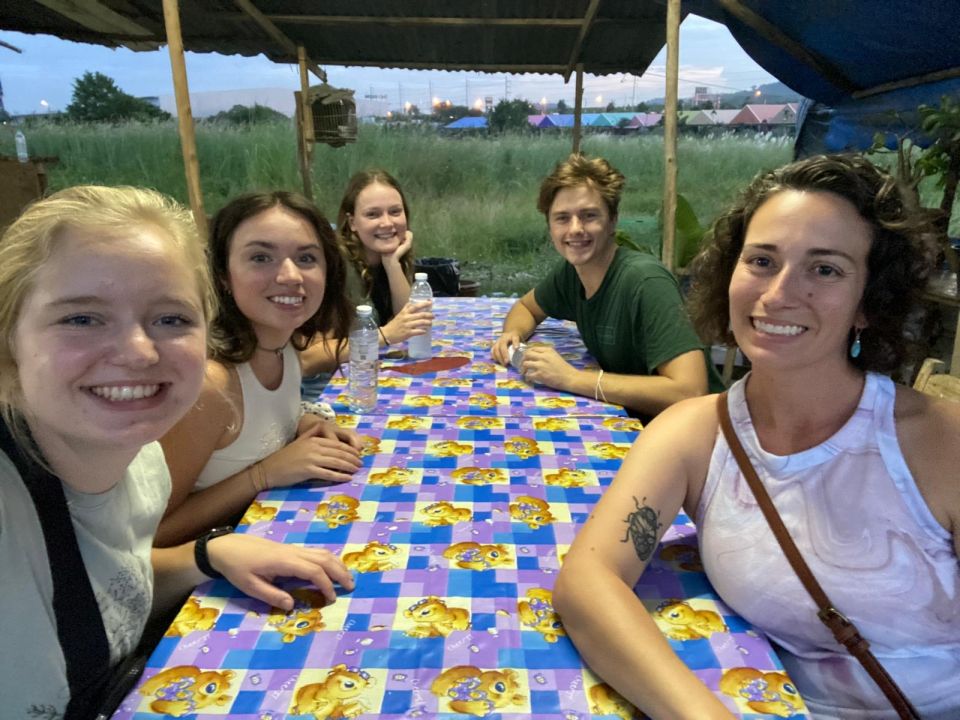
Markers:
{"x": 394, "y": 257}
{"x": 251, "y": 564}
{"x": 501, "y": 348}
{"x": 413, "y": 319}
{"x": 321, "y": 451}
{"x": 542, "y": 364}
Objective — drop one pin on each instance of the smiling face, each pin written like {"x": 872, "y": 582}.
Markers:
{"x": 581, "y": 228}
{"x": 276, "y": 273}
{"x": 110, "y": 343}
{"x": 796, "y": 290}
{"x": 379, "y": 221}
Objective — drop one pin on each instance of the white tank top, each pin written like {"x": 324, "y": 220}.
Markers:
{"x": 854, "y": 511}
{"x": 270, "y": 420}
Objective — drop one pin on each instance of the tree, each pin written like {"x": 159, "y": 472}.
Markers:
{"x": 642, "y": 107}
{"x": 561, "y": 106}
{"x": 245, "y": 115}
{"x": 96, "y": 98}
{"x": 611, "y": 107}
{"x": 511, "y": 115}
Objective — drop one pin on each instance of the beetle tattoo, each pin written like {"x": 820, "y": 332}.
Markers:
{"x": 642, "y": 526}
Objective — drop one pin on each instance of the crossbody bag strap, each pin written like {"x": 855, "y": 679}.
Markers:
{"x": 842, "y": 628}
{"x": 80, "y": 629}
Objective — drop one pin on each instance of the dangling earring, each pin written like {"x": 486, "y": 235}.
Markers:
{"x": 855, "y": 346}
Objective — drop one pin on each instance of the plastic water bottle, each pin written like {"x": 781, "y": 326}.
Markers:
{"x": 364, "y": 361}
{"x": 22, "y": 155}
{"x": 420, "y": 346}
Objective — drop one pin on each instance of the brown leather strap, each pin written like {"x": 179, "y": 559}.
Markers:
{"x": 843, "y": 630}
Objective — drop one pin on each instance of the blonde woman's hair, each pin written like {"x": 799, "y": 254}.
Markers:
{"x": 106, "y": 211}
{"x": 577, "y": 170}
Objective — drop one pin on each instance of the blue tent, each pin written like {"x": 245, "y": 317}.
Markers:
{"x": 468, "y": 122}
{"x": 865, "y": 65}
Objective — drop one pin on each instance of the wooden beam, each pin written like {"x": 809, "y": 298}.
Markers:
{"x": 577, "y": 109}
{"x": 578, "y": 44}
{"x": 477, "y": 67}
{"x": 770, "y": 32}
{"x": 274, "y": 32}
{"x": 937, "y": 76}
{"x": 305, "y": 136}
{"x": 426, "y": 21}
{"x": 670, "y": 135}
{"x": 188, "y": 139}
{"x": 94, "y": 15}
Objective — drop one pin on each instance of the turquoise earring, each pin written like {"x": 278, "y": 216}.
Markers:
{"x": 855, "y": 347}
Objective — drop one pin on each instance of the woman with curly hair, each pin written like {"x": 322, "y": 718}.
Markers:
{"x": 278, "y": 274}
{"x": 376, "y": 242}
{"x": 814, "y": 272}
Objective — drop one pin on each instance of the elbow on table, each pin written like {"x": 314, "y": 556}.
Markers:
{"x": 569, "y": 593}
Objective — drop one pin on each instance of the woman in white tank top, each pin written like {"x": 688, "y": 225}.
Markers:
{"x": 279, "y": 278}
{"x": 813, "y": 273}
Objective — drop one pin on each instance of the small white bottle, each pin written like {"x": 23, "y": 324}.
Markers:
{"x": 364, "y": 362}
{"x": 419, "y": 347}
{"x": 22, "y": 154}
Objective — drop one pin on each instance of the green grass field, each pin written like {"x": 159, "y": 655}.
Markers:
{"x": 472, "y": 198}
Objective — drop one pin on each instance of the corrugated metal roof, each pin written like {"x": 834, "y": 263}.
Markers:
{"x": 517, "y": 36}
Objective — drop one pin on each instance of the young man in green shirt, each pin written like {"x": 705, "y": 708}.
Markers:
{"x": 627, "y": 305}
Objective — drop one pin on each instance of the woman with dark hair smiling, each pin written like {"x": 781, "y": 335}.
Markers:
{"x": 814, "y": 272}
{"x": 279, "y": 277}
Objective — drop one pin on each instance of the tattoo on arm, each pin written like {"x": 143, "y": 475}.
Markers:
{"x": 642, "y": 526}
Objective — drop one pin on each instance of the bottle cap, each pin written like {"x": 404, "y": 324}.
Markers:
{"x": 419, "y": 276}
{"x": 364, "y": 310}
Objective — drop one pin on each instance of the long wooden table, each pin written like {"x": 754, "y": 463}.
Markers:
{"x": 455, "y": 529}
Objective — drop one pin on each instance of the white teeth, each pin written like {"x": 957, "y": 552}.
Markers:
{"x": 778, "y": 329}
{"x": 125, "y": 393}
{"x": 287, "y": 300}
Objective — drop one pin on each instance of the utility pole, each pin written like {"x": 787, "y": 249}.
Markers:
{"x": 506, "y": 87}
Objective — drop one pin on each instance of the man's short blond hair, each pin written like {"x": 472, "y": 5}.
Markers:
{"x": 577, "y": 170}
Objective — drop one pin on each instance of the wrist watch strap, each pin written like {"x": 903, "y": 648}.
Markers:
{"x": 200, "y": 556}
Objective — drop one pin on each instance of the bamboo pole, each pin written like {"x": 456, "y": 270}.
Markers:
{"x": 305, "y": 126}
{"x": 577, "y": 109}
{"x": 188, "y": 139}
{"x": 955, "y": 358}
{"x": 670, "y": 135}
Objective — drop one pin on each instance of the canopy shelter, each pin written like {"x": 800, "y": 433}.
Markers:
{"x": 836, "y": 52}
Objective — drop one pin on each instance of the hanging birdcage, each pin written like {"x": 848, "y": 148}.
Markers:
{"x": 334, "y": 114}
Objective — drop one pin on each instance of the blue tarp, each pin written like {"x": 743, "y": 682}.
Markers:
{"x": 467, "y": 122}
{"x": 869, "y": 43}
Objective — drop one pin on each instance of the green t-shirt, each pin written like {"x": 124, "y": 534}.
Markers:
{"x": 379, "y": 298}
{"x": 635, "y": 321}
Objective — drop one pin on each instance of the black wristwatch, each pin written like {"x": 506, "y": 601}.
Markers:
{"x": 200, "y": 556}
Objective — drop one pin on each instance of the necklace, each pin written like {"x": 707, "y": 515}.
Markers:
{"x": 276, "y": 351}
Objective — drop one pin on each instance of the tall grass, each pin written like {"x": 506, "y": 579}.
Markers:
{"x": 472, "y": 198}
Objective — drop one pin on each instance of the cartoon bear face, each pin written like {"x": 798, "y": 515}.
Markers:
{"x": 339, "y": 510}
{"x": 185, "y": 689}
{"x": 450, "y": 448}
{"x": 474, "y": 556}
{"x": 192, "y": 618}
{"x": 391, "y": 381}
{"x": 444, "y": 513}
{"x": 483, "y": 368}
{"x": 375, "y": 557}
{"x": 567, "y": 477}
{"x": 604, "y": 700}
{"x": 432, "y": 618}
{"x": 406, "y": 422}
{"x": 523, "y": 446}
{"x": 532, "y": 511}
{"x": 336, "y": 696}
{"x": 452, "y": 382}
{"x": 483, "y": 400}
{"x": 553, "y": 424}
{"x": 762, "y": 692}
{"x": 622, "y": 424}
{"x": 369, "y": 445}
{"x": 258, "y": 513}
{"x": 512, "y": 384}
{"x": 609, "y": 451}
{"x": 392, "y": 476}
{"x": 423, "y": 401}
{"x": 471, "y": 422}
{"x": 537, "y": 612}
{"x": 682, "y": 622}
{"x": 559, "y": 402}
{"x": 472, "y": 475}
{"x": 473, "y": 691}
{"x": 303, "y": 619}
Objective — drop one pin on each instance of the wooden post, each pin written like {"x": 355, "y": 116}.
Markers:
{"x": 670, "y": 135}
{"x": 188, "y": 139}
{"x": 304, "y": 125}
{"x": 955, "y": 358}
{"x": 577, "y": 108}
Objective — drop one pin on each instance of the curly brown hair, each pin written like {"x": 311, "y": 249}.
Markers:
{"x": 232, "y": 339}
{"x": 349, "y": 240}
{"x": 578, "y": 170}
{"x": 898, "y": 264}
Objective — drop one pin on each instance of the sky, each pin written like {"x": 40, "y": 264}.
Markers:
{"x": 40, "y": 79}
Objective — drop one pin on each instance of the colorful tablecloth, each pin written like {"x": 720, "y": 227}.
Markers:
{"x": 468, "y": 327}
{"x": 455, "y": 529}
